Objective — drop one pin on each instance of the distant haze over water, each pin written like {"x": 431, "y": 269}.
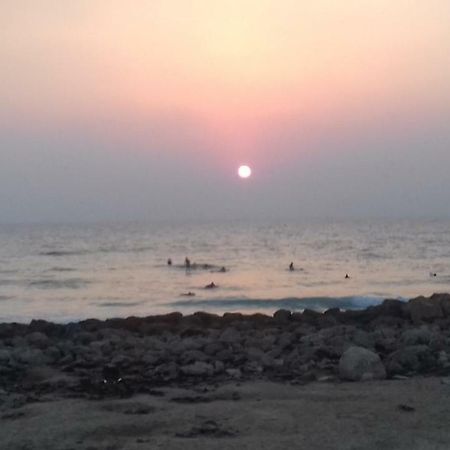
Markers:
{"x": 70, "y": 272}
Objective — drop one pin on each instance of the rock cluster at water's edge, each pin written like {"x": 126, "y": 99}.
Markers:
{"x": 394, "y": 339}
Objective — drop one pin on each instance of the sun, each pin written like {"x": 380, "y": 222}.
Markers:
{"x": 244, "y": 171}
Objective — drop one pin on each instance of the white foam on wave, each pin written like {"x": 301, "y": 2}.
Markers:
{"x": 291, "y": 303}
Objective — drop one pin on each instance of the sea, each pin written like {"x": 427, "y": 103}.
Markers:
{"x": 70, "y": 272}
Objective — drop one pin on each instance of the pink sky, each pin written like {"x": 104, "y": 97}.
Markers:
{"x": 230, "y": 78}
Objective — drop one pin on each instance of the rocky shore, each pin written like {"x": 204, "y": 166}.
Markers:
{"x": 129, "y": 356}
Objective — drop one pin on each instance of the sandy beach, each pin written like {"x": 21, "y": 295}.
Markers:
{"x": 375, "y": 378}
{"x": 409, "y": 414}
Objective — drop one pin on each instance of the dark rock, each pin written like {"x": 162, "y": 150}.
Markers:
{"x": 165, "y": 372}
{"x": 207, "y": 319}
{"x": 412, "y": 358}
{"x": 360, "y": 364}
{"x": 282, "y": 316}
{"x": 38, "y": 339}
{"x": 230, "y": 336}
{"x": 198, "y": 368}
{"x": 444, "y": 302}
{"x": 228, "y": 318}
{"x": 417, "y": 336}
{"x": 213, "y": 348}
{"x": 34, "y": 357}
{"x": 310, "y": 316}
{"x": 5, "y": 356}
{"x": 422, "y": 309}
{"x": 192, "y": 356}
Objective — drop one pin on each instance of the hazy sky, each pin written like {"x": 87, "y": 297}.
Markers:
{"x": 144, "y": 109}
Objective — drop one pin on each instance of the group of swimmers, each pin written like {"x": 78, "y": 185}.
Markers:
{"x": 187, "y": 265}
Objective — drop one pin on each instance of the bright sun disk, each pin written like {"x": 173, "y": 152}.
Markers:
{"x": 244, "y": 171}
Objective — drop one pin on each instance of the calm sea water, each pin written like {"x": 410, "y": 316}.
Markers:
{"x": 70, "y": 272}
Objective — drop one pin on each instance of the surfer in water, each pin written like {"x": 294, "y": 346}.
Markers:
{"x": 187, "y": 263}
{"x": 169, "y": 262}
{"x": 211, "y": 285}
{"x": 291, "y": 266}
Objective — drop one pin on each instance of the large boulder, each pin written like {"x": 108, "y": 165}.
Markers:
{"x": 422, "y": 309}
{"x": 360, "y": 364}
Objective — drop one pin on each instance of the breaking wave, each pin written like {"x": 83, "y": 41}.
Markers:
{"x": 69, "y": 283}
{"x": 64, "y": 253}
{"x": 291, "y": 303}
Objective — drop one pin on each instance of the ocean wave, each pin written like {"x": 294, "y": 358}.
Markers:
{"x": 93, "y": 251}
{"x": 8, "y": 271}
{"x": 118, "y": 304}
{"x": 62, "y": 269}
{"x": 69, "y": 283}
{"x": 64, "y": 253}
{"x": 291, "y": 303}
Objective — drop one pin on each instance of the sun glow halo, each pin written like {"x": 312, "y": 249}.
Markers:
{"x": 244, "y": 171}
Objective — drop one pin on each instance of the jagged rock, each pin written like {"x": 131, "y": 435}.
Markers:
{"x": 360, "y": 364}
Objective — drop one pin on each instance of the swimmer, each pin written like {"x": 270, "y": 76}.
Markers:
{"x": 291, "y": 266}
{"x": 223, "y": 269}
{"x": 188, "y": 294}
{"x": 211, "y": 285}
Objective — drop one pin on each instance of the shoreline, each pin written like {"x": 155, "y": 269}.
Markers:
{"x": 407, "y": 337}
{"x": 136, "y": 370}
